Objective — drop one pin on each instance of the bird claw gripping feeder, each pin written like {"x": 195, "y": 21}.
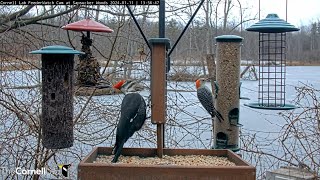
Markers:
{"x": 272, "y": 62}
{"x": 57, "y": 96}
{"x": 228, "y": 52}
{"x": 88, "y": 69}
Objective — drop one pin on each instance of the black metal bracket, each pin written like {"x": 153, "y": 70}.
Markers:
{"x": 162, "y": 27}
{"x": 140, "y": 30}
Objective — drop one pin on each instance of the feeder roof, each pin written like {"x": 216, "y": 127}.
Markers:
{"x": 272, "y": 24}
{"x": 229, "y": 38}
{"x": 87, "y": 25}
{"x": 165, "y": 41}
{"x": 56, "y": 50}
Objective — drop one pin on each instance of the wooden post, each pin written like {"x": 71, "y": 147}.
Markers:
{"x": 158, "y": 84}
{"x": 159, "y": 88}
{"x": 211, "y": 66}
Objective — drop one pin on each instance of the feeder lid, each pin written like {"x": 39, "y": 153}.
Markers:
{"x": 229, "y": 38}
{"x": 87, "y": 25}
{"x": 56, "y": 50}
{"x": 272, "y": 24}
{"x": 165, "y": 41}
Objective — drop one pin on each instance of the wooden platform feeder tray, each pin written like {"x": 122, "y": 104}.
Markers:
{"x": 87, "y": 169}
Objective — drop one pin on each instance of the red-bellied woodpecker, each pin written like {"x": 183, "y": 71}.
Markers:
{"x": 132, "y": 118}
{"x": 205, "y": 97}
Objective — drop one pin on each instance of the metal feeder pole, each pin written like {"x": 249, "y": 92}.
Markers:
{"x": 228, "y": 51}
{"x": 57, "y": 96}
{"x": 88, "y": 35}
{"x": 162, "y": 34}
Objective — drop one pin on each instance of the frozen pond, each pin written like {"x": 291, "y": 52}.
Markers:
{"x": 188, "y": 126}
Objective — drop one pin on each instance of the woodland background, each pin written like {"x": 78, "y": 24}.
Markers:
{"x": 27, "y": 28}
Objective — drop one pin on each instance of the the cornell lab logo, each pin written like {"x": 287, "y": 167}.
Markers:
{"x": 64, "y": 169}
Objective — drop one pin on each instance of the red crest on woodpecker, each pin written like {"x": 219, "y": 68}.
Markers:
{"x": 198, "y": 83}
{"x": 119, "y": 84}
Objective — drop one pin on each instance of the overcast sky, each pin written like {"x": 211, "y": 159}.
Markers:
{"x": 299, "y": 11}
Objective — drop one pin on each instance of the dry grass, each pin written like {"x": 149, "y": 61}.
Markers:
{"x": 303, "y": 63}
{"x": 87, "y": 91}
{"x": 183, "y": 76}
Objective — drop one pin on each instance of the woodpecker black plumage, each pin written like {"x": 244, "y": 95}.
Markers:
{"x": 206, "y": 99}
{"x": 132, "y": 118}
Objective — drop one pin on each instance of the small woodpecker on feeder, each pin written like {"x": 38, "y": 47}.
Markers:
{"x": 205, "y": 97}
{"x": 132, "y": 117}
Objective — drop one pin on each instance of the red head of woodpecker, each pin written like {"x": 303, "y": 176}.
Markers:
{"x": 119, "y": 84}
{"x": 200, "y": 82}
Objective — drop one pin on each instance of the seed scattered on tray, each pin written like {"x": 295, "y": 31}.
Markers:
{"x": 189, "y": 160}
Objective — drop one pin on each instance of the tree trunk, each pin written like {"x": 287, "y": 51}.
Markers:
{"x": 227, "y": 7}
{"x": 211, "y": 65}
{"x": 97, "y": 13}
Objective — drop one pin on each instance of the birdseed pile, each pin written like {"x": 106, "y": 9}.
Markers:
{"x": 179, "y": 160}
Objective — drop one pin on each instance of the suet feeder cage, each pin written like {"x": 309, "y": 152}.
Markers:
{"x": 227, "y": 95}
{"x": 57, "y": 96}
{"x": 88, "y": 68}
{"x": 272, "y": 62}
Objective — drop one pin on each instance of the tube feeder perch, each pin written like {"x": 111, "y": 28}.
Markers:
{"x": 227, "y": 96}
{"x": 57, "y": 96}
{"x": 89, "y": 68}
{"x": 272, "y": 62}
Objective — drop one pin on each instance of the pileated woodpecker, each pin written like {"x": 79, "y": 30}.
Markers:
{"x": 132, "y": 118}
{"x": 205, "y": 97}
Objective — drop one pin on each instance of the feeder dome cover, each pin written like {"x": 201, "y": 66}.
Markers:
{"x": 165, "y": 41}
{"x": 272, "y": 24}
{"x": 56, "y": 50}
{"x": 229, "y": 38}
{"x": 87, "y": 25}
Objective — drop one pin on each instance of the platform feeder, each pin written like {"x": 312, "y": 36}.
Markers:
{"x": 56, "y": 120}
{"x": 272, "y": 62}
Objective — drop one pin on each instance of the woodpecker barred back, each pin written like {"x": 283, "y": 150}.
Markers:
{"x": 206, "y": 99}
{"x": 132, "y": 118}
